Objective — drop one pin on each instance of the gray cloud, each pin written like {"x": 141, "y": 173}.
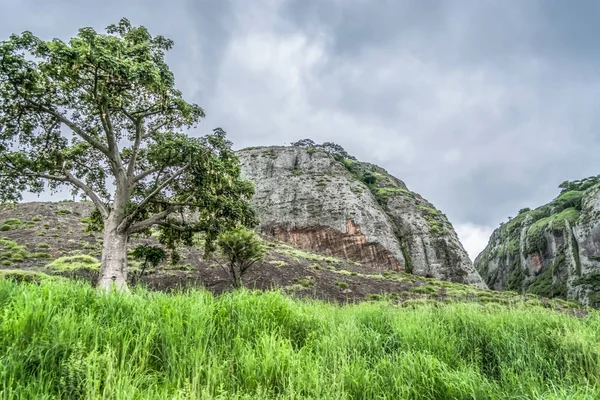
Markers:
{"x": 483, "y": 107}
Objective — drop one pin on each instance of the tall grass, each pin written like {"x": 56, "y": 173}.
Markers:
{"x": 64, "y": 340}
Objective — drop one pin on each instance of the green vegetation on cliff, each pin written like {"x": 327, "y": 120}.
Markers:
{"x": 533, "y": 251}
{"x": 60, "y": 339}
{"x": 382, "y": 185}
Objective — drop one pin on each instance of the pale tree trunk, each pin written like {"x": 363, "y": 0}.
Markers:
{"x": 113, "y": 269}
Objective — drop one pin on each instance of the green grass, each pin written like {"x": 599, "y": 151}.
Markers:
{"x": 12, "y": 222}
{"x": 298, "y": 254}
{"x": 81, "y": 262}
{"x": 63, "y": 212}
{"x": 341, "y": 284}
{"x": 12, "y": 250}
{"x": 19, "y": 275}
{"x": 385, "y": 193}
{"x": 65, "y": 340}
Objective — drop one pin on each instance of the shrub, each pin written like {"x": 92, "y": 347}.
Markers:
{"x": 74, "y": 263}
{"x": 40, "y": 255}
{"x": 18, "y": 257}
{"x": 342, "y": 285}
{"x": 4, "y": 228}
{"x": 306, "y": 283}
{"x": 63, "y": 212}
{"x": 242, "y": 249}
{"x": 149, "y": 255}
{"x": 22, "y": 276}
{"x": 425, "y": 289}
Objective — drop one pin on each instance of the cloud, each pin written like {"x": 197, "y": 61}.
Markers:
{"x": 473, "y": 237}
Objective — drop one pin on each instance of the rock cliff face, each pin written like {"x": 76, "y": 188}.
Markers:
{"x": 552, "y": 251}
{"x": 342, "y": 207}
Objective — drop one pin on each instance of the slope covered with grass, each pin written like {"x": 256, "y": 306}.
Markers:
{"x": 64, "y": 339}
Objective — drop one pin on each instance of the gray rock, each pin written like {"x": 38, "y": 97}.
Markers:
{"x": 552, "y": 251}
{"x": 310, "y": 199}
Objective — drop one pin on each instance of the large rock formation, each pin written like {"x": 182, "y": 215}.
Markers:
{"x": 337, "y": 205}
{"x": 553, "y": 250}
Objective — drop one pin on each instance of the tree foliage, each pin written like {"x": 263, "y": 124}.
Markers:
{"x": 242, "y": 249}
{"x": 149, "y": 255}
{"x": 581, "y": 184}
{"x": 100, "y": 114}
{"x": 334, "y": 149}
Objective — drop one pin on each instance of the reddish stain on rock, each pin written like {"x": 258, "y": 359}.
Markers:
{"x": 535, "y": 260}
{"x": 351, "y": 245}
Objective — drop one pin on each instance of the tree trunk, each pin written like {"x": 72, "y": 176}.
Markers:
{"x": 113, "y": 269}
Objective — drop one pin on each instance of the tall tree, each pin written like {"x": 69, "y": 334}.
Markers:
{"x": 101, "y": 114}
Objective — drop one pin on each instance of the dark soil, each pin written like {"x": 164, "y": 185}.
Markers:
{"x": 59, "y": 229}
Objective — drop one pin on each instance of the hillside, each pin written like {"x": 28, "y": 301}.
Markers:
{"x": 51, "y": 239}
{"x": 334, "y": 204}
{"x": 553, "y": 250}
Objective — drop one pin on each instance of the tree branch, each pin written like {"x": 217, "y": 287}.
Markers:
{"x": 123, "y": 226}
{"x": 68, "y": 178}
{"x": 110, "y": 137}
{"x": 78, "y": 131}
{"x": 147, "y": 223}
{"x": 136, "y": 147}
{"x": 144, "y": 174}
{"x": 88, "y": 191}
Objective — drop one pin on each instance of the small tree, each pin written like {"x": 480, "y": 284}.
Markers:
{"x": 101, "y": 115}
{"x": 242, "y": 249}
{"x": 151, "y": 255}
{"x": 304, "y": 143}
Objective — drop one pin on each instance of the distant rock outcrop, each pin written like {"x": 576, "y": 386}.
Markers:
{"x": 552, "y": 251}
{"x": 336, "y": 205}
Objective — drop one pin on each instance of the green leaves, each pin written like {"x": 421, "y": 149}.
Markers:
{"x": 241, "y": 244}
{"x": 242, "y": 249}
{"x": 149, "y": 254}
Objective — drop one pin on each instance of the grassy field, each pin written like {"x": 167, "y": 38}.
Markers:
{"x": 63, "y": 340}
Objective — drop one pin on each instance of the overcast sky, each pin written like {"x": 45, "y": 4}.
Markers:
{"x": 483, "y": 107}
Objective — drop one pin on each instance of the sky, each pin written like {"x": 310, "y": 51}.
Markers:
{"x": 483, "y": 107}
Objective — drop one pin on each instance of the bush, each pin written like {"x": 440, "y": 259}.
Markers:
{"x": 569, "y": 199}
{"x": 81, "y": 262}
{"x": 63, "y": 212}
{"x": 149, "y": 255}
{"x": 242, "y": 249}
{"x": 342, "y": 285}
{"x": 4, "y": 228}
{"x": 18, "y": 257}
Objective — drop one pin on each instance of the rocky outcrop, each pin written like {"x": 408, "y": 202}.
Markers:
{"x": 552, "y": 251}
{"x": 336, "y": 205}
